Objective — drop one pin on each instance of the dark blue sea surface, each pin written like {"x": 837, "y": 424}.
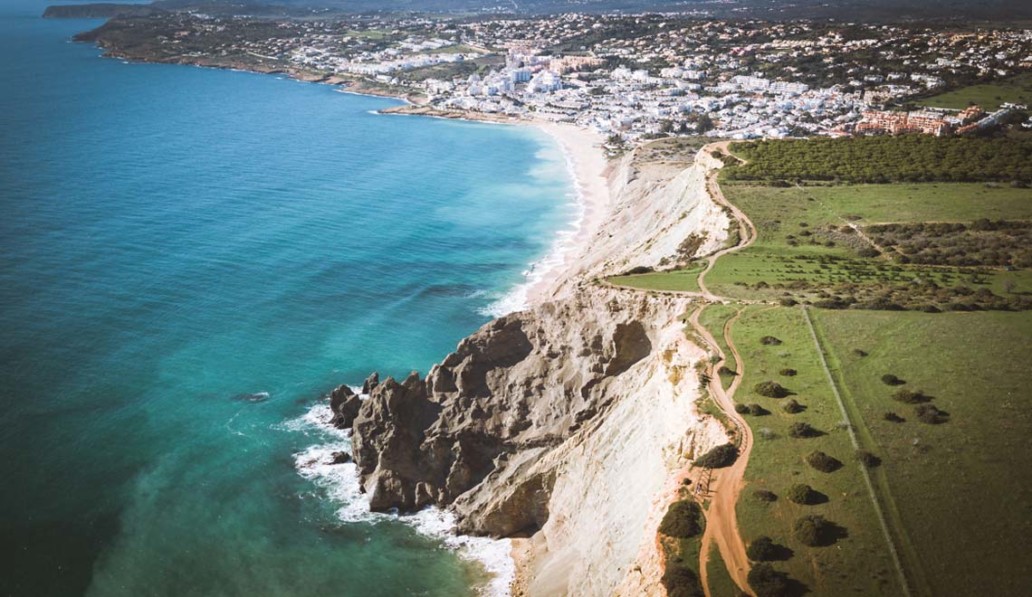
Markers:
{"x": 190, "y": 259}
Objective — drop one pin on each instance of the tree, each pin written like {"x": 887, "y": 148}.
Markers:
{"x": 802, "y": 494}
{"x": 771, "y": 389}
{"x": 814, "y": 530}
{"x": 822, "y": 462}
{"x": 768, "y": 582}
{"x": 802, "y": 430}
{"x": 719, "y": 457}
{"x": 763, "y": 549}
{"x": 681, "y": 520}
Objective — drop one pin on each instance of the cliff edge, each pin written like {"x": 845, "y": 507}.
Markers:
{"x": 562, "y": 424}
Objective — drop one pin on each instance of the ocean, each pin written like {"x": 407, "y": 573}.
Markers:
{"x": 191, "y": 259}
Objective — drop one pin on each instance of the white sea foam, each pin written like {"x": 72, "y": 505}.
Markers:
{"x": 517, "y": 299}
{"x": 341, "y": 486}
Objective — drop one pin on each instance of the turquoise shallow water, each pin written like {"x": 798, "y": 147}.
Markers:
{"x": 176, "y": 239}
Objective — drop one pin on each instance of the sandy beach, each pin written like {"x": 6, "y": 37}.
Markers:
{"x": 588, "y": 166}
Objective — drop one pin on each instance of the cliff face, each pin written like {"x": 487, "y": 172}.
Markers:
{"x": 563, "y": 423}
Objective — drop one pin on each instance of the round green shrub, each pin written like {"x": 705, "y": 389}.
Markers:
{"x": 927, "y": 413}
{"x": 793, "y": 407}
{"x": 891, "y": 380}
{"x": 681, "y": 581}
{"x": 768, "y": 582}
{"x": 822, "y": 462}
{"x": 867, "y": 459}
{"x": 802, "y": 494}
{"x": 910, "y": 396}
{"x": 802, "y": 430}
{"x": 762, "y": 549}
{"x": 765, "y": 495}
{"x": 719, "y": 457}
{"x": 787, "y": 372}
{"x": 682, "y": 520}
{"x": 770, "y": 341}
{"x": 771, "y": 389}
{"x": 813, "y": 530}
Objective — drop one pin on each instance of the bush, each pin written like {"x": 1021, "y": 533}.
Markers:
{"x": 763, "y": 549}
{"x": 681, "y": 520}
{"x": 788, "y": 372}
{"x": 927, "y": 413}
{"x": 893, "y": 417}
{"x": 867, "y": 459}
{"x": 802, "y": 430}
{"x": 891, "y": 380}
{"x": 910, "y": 396}
{"x": 768, "y": 582}
{"x": 641, "y": 269}
{"x": 751, "y": 409}
{"x": 769, "y": 341}
{"x": 859, "y": 353}
{"x": 814, "y": 530}
{"x": 803, "y": 494}
{"x": 765, "y": 495}
{"x": 718, "y": 457}
{"x": 793, "y": 407}
{"x": 725, "y": 370}
{"x": 771, "y": 389}
{"x": 681, "y": 581}
{"x": 822, "y": 462}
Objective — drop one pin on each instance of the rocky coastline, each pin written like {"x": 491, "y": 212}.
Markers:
{"x": 560, "y": 426}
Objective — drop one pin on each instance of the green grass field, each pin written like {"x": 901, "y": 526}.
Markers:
{"x": 962, "y": 488}
{"x": 713, "y": 318}
{"x": 686, "y": 279}
{"x": 955, "y": 496}
{"x": 1016, "y": 90}
{"x": 855, "y": 564}
{"x": 720, "y": 582}
{"x": 786, "y": 215}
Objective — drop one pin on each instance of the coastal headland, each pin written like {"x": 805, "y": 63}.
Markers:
{"x": 567, "y": 426}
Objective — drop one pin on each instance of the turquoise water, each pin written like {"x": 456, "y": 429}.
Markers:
{"x": 190, "y": 259}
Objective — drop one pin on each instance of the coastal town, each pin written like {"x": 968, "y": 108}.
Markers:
{"x": 630, "y": 78}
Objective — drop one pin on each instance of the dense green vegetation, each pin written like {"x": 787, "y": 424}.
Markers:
{"x": 913, "y": 158}
{"x": 682, "y": 525}
{"x": 1015, "y": 90}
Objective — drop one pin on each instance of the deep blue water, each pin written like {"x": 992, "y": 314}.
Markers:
{"x": 175, "y": 237}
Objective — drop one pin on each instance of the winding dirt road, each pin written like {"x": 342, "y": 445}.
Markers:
{"x": 726, "y": 484}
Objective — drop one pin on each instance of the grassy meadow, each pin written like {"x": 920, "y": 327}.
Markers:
{"x": 962, "y": 487}
{"x": 1016, "y": 90}
{"x": 857, "y": 561}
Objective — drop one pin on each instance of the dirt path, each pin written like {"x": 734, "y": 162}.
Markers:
{"x": 746, "y": 229}
{"x": 726, "y": 484}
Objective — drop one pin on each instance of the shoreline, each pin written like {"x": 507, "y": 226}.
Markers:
{"x": 587, "y": 166}
{"x": 586, "y": 163}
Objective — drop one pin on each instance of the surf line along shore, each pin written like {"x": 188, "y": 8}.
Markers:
{"x": 588, "y": 167}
